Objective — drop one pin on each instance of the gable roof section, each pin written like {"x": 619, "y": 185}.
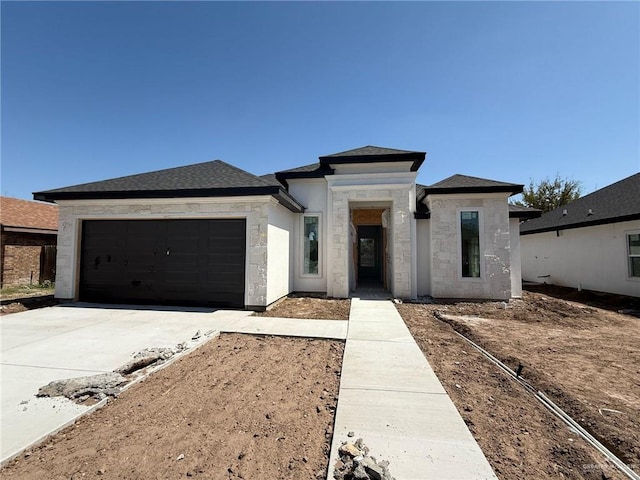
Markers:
{"x": 465, "y": 184}
{"x": 209, "y": 179}
{"x": 617, "y": 202}
{"x": 21, "y": 215}
{"x": 522, "y": 212}
{"x": 314, "y": 170}
{"x": 373, "y": 154}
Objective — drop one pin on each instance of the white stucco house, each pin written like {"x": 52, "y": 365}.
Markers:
{"x": 213, "y": 234}
{"x": 592, "y": 243}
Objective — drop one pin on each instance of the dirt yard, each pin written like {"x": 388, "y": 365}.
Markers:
{"x": 22, "y": 298}
{"x": 240, "y": 407}
{"x": 585, "y": 359}
{"x": 308, "y": 307}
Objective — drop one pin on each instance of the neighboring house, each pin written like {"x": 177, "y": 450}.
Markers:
{"x": 211, "y": 233}
{"x": 591, "y": 243}
{"x": 28, "y": 241}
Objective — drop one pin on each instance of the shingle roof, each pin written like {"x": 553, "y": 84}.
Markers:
{"x": 313, "y": 170}
{"x": 369, "y": 150}
{"x": 215, "y": 178}
{"x": 522, "y": 212}
{"x": 208, "y": 175}
{"x": 372, "y": 154}
{"x": 465, "y": 184}
{"x": 312, "y": 167}
{"x": 615, "y": 203}
{"x": 26, "y": 214}
{"x": 270, "y": 178}
{"x": 422, "y": 211}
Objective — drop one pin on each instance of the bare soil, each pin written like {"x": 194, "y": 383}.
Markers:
{"x": 310, "y": 308}
{"x": 16, "y": 299}
{"x": 26, "y": 303}
{"x": 239, "y": 407}
{"x": 586, "y": 359}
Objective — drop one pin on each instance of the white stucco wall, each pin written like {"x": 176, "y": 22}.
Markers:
{"x": 279, "y": 252}
{"x": 516, "y": 261}
{"x": 254, "y": 209}
{"x": 593, "y": 258}
{"x": 312, "y": 193}
{"x": 446, "y": 274}
{"x": 424, "y": 257}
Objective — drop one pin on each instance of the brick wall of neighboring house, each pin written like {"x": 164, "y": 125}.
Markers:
{"x": 27, "y": 258}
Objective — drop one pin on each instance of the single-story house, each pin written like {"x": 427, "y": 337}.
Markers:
{"x": 592, "y": 243}
{"x": 28, "y": 236}
{"x": 212, "y": 233}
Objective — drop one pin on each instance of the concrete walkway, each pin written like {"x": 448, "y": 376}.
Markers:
{"x": 390, "y": 397}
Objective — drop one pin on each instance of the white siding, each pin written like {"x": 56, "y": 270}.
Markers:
{"x": 593, "y": 258}
{"x": 279, "y": 252}
{"x": 516, "y": 261}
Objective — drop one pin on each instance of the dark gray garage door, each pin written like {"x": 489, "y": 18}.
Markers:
{"x": 166, "y": 262}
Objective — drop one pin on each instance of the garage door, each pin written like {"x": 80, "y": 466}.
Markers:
{"x": 165, "y": 262}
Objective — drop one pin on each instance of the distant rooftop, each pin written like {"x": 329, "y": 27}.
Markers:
{"x": 26, "y": 214}
{"x": 617, "y": 202}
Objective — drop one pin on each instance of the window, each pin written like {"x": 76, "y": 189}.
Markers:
{"x": 633, "y": 243}
{"x": 470, "y": 238}
{"x": 311, "y": 231}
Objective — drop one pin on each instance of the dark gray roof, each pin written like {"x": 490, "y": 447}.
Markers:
{"x": 369, "y": 150}
{"x": 215, "y": 178}
{"x": 522, "y": 212}
{"x": 373, "y": 154}
{"x": 465, "y": 184}
{"x": 313, "y": 170}
{"x": 617, "y": 202}
{"x": 312, "y": 167}
{"x": 422, "y": 211}
{"x": 270, "y": 178}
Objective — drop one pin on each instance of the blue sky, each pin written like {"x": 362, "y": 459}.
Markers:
{"x": 510, "y": 91}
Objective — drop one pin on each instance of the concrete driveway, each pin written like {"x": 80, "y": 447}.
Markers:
{"x": 76, "y": 340}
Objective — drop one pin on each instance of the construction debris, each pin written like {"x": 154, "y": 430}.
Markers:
{"x": 150, "y": 356}
{"x": 98, "y": 386}
{"x": 355, "y": 463}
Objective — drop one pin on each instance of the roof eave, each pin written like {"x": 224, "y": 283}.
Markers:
{"x": 591, "y": 223}
{"x": 282, "y": 177}
{"x": 278, "y": 192}
{"x": 416, "y": 157}
{"x": 525, "y": 214}
{"x": 23, "y": 229}
{"x": 512, "y": 189}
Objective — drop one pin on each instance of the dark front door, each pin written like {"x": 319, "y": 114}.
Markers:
{"x": 179, "y": 262}
{"x": 369, "y": 255}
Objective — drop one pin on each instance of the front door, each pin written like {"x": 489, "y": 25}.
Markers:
{"x": 369, "y": 255}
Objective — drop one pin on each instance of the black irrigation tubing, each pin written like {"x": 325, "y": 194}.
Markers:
{"x": 557, "y": 411}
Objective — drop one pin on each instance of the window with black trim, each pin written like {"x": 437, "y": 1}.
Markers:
{"x": 470, "y": 238}
{"x": 633, "y": 244}
{"x": 311, "y": 243}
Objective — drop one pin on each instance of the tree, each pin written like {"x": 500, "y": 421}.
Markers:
{"x": 550, "y": 194}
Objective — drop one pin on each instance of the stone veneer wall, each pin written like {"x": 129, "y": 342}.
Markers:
{"x": 401, "y": 216}
{"x": 446, "y": 278}
{"x": 255, "y": 211}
